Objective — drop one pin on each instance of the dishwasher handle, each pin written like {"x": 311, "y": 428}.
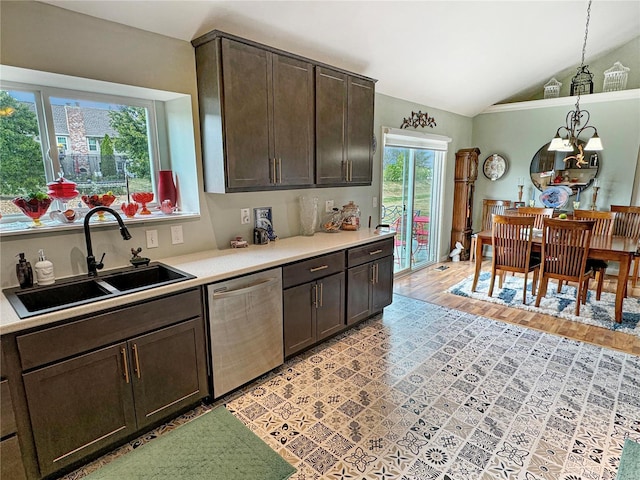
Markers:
{"x": 244, "y": 290}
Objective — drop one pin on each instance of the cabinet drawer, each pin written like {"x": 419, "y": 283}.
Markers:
{"x": 7, "y": 420}
{"x": 11, "y": 460}
{"x": 63, "y": 341}
{"x": 312, "y": 269}
{"x": 371, "y": 251}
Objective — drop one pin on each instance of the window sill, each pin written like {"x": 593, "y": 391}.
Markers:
{"x": 52, "y": 227}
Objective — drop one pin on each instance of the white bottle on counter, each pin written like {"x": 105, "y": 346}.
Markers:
{"x": 44, "y": 270}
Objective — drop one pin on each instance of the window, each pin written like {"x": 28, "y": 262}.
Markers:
{"x": 93, "y": 144}
{"x": 98, "y": 141}
{"x": 63, "y": 143}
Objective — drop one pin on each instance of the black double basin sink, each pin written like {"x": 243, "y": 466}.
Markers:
{"x": 81, "y": 290}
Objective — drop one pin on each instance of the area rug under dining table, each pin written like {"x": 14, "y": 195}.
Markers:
{"x": 600, "y": 313}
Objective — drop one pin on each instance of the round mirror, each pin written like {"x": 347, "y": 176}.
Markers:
{"x": 563, "y": 169}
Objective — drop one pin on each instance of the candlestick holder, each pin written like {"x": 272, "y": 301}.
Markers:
{"x": 594, "y": 198}
{"x": 520, "y": 187}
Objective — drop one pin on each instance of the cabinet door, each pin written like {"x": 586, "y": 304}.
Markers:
{"x": 293, "y": 121}
{"x": 360, "y": 130}
{"x": 168, "y": 370}
{"x": 299, "y": 324}
{"x": 246, "y": 103}
{"x": 382, "y": 287}
{"x": 11, "y": 459}
{"x": 358, "y": 293}
{"x": 330, "y": 305}
{"x": 331, "y": 118}
{"x": 79, "y": 406}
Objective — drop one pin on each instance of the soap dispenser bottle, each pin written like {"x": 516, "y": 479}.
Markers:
{"x": 44, "y": 270}
{"x": 24, "y": 272}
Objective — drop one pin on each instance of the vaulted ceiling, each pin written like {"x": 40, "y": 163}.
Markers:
{"x": 459, "y": 56}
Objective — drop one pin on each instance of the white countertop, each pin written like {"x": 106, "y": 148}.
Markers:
{"x": 208, "y": 266}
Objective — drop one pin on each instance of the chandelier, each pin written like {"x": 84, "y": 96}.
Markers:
{"x": 577, "y": 121}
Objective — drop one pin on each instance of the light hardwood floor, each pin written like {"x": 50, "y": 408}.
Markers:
{"x": 431, "y": 284}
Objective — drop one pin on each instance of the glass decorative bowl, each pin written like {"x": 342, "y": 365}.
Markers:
{"x": 62, "y": 189}
{"x": 129, "y": 209}
{"x": 104, "y": 200}
{"x": 68, "y": 216}
{"x": 33, "y": 208}
{"x": 143, "y": 198}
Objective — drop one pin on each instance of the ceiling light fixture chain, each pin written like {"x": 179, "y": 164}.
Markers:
{"x": 567, "y": 136}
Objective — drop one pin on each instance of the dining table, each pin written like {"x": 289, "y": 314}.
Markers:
{"x": 602, "y": 247}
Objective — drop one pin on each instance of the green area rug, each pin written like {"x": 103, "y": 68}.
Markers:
{"x": 213, "y": 446}
{"x": 630, "y": 461}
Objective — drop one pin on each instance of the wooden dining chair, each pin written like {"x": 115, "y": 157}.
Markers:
{"x": 565, "y": 247}
{"x": 539, "y": 213}
{"x": 511, "y": 240}
{"x": 603, "y": 226}
{"x": 627, "y": 224}
{"x": 489, "y": 208}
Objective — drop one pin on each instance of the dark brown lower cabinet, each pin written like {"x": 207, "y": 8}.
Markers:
{"x": 82, "y": 405}
{"x": 369, "y": 284}
{"x": 11, "y": 466}
{"x": 313, "y": 311}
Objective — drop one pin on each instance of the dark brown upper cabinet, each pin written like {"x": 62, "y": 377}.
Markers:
{"x": 259, "y": 125}
{"x": 344, "y": 128}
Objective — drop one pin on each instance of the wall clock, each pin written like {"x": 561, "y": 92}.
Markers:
{"x": 494, "y": 166}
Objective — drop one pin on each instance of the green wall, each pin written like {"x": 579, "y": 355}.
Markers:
{"x": 519, "y": 134}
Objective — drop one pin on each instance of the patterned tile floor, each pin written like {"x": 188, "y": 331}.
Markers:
{"x": 426, "y": 392}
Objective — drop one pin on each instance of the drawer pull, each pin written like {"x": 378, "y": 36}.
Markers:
{"x": 123, "y": 351}
{"x": 321, "y": 267}
{"x": 375, "y": 252}
{"x": 137, "y": 360}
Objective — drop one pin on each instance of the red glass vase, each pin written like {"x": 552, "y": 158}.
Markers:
{"x": 166, "y": 187}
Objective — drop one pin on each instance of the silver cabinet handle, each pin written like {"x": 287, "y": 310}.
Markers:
{"x": 375, "y": 252}
{"x": 243, "y": 290}
{"x": 320, "y": 301}
{"x": 316, "y": 269}
{"x": 377, "y": 267}
{"x": 273, "y": 171}
{"x": 315, "y": 296}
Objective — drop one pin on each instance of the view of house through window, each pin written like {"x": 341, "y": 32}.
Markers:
{"x": 97, "y": 144}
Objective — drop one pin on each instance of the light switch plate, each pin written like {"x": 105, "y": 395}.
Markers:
{"x": 328, "y": 206}
{"x": 152, "y": 238}
{"x": 245, "y": 216}
{"x": 176, "y": 235}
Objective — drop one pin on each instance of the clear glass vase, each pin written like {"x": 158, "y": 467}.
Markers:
{"x": 308, "y": 215}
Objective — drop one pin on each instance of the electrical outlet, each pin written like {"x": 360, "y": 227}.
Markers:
{"x": 328, "y": 206}
{"x": 152, "y": 238}
{"x": 176, "y": 235}
{"x": 245, "y": 216}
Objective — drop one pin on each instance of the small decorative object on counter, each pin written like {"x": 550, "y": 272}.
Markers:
{"x": 308, "y": 215}
{"x": 24, "y": 272}
{"x": 238, "y": 242}
{"x": 136, "y": 259}
{"x": 350, "y": 216}
{"x": 143, "y": 198}
{"x": 44, "y": 270}
{"x": 129, "y": 209}
{"x": 333, "y": 222}
{"x": 34, "y": 206}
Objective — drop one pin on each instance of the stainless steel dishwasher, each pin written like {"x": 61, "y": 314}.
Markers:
{"x": 245, "y": 325}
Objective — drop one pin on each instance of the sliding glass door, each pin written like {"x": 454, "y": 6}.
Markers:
{"x": 411, "y": 181}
